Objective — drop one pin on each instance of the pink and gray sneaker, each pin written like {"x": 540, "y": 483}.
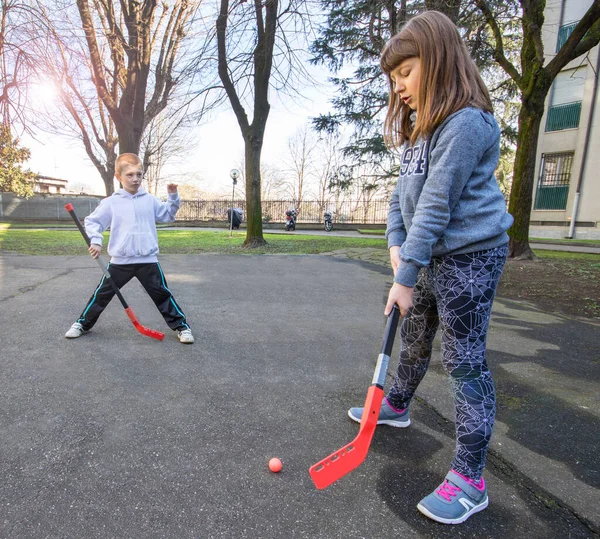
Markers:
{"x": 388, "y": 415}
{"x": 455, "y": 500}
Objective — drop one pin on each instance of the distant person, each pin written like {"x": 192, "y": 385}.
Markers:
{"x": 447, "y": 239}
{"x": 132, "y": 213}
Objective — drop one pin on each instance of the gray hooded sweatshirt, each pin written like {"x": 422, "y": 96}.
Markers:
{"x": 447, "y": 200}
{"x": 132, "y": 220}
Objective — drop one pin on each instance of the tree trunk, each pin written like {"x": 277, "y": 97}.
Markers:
{"x": 109, "y": 184}
{"x": 106, "y": 170}
{"x": 521, "y": 195}
{"x": 129, "y": 142}
{"x": 253, "y": 148}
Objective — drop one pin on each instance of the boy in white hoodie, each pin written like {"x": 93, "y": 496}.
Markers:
{"x": 132, "y": 214}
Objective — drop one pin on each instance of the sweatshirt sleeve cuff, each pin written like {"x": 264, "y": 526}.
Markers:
{"x": 173, "y": 197}
{"x": 396, "y": 238}
{"x": 407, "y": 274}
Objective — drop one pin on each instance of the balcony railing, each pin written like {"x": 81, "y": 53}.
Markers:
{"x": 563, "y": 34}
{"x": 553, "y": 197}
{"x": 563, "y": 116}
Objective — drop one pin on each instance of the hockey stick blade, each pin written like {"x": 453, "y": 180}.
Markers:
{"x": 344, "y": 460}
{"x": 159, "y": 336}
{"x": 351, "y": 456}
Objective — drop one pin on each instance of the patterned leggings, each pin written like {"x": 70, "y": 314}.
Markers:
{"x": 456, "y": 293}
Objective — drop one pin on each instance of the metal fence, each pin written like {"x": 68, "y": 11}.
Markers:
{"x": 273, "y": 211}
{"x": 51, "y": 207}
{"x": 45, "y": 206}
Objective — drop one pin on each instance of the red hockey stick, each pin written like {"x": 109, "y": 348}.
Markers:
{"x": 344, "y": 460}
{"x": 142, "y": 329}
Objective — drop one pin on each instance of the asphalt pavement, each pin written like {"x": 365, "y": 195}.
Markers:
{"x": 118, "y": 435}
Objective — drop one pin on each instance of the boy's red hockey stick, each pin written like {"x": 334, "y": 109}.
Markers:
{"x": 142, "y": 329}
{"x": 344, "y": 460}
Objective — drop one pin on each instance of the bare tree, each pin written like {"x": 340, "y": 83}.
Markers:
{"x": 257, "y": 51}
{"x": 167, "y": 137}
{"x": 20, "y": 24}
{"x": 300, "y": 163}
{"x": 273, "y": 183}
{"x": 118, "y": 76}
{"x": 82, "y": 115}
{"x": 534, "y": 80}
{"x": 366, "y": 188}
{"x": 328, "y": 161}
{"x": 190, "y": 192}
{"x": 122, "y": 68}
{"x": 154, "y": 155}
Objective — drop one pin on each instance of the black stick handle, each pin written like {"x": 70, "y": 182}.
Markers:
{"x": 386, "y": 348}
{"x": 71, "y": 210}
{"x": 390, "y": 331}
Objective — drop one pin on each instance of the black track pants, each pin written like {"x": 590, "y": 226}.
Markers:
{"x": 154, "y": 282}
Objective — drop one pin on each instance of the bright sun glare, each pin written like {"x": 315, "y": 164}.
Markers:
{"x": 43, "y": 93}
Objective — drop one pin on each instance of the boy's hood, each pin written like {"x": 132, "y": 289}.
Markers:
{"x": 122, "y": 192}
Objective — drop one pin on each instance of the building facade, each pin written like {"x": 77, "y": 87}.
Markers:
{"x": 566, "y": 198}
{"x": 46, "y": 184}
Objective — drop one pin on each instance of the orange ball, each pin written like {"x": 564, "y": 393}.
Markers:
{"x": 275, "y": 465}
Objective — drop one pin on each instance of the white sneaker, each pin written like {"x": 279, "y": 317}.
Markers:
{"x": 185, "y": 336}
{"x": 76, "y": 330}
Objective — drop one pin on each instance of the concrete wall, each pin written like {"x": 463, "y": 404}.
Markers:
{"x": 571, "y": 140}
{"x": 560, "y": 232}
{"x": 46, "y": 206}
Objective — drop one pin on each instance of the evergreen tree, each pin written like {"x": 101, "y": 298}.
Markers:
{"x": 350, "y": 44}
{"x": 13, "y": 179}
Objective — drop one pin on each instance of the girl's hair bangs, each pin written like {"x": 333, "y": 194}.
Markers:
{"x": 396, "y": 51}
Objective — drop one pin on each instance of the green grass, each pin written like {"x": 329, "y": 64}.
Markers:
{"x": 69, "y": 242}
{"x": 5, "y": 225}
{"x": 567, "y": 256}
{"x": 66, "y": 225}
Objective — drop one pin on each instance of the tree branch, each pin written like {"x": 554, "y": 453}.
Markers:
{"x": 578, "y": 43}
{"x": 234, "y": 99}
{"x": 499, "y": 55}
{"x": 590, "y": 40}
{"x": 96, "y": 58}
{"x": 263, "y": 61}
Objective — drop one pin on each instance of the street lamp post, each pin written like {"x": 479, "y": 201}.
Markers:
{"x": 234, "y": 173}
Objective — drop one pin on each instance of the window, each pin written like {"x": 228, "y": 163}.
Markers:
{"x": 553, "y": 185}
{"x": 566, "y": 98}
{"x": 574, "y": 10}
{"x": 563, "y": 34}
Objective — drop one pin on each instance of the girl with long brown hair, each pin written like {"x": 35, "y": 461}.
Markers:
{"x": 447, "y": 240}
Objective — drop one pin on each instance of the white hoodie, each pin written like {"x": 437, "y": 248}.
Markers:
{"x": 132, "y": 220}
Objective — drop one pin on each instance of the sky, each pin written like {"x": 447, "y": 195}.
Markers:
{"x": 218, "y": 144}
